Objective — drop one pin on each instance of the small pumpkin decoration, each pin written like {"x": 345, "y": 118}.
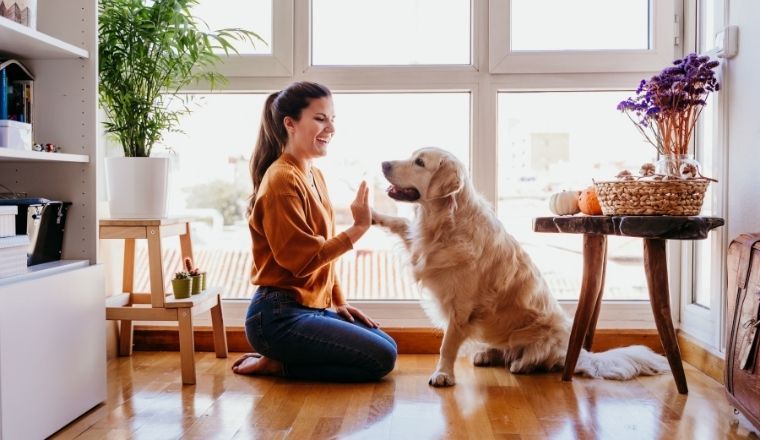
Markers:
{"x": 564, "y": 203}
{"x": 588, "y": 202}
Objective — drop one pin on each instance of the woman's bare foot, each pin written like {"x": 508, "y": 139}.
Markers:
{"x": 256, "y": 364}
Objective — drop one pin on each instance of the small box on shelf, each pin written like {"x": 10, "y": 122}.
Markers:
{"x": 8, "y": 220}
{"x": 15, "y": 135}
{"x": 13, "y": 255}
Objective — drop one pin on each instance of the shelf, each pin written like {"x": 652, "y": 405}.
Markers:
{"x": 11, "y": 155}
{"x": 27, "y": 43}
{"x": 45, "y": 269}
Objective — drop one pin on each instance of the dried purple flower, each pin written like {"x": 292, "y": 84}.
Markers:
{"x": 667, "y": 106}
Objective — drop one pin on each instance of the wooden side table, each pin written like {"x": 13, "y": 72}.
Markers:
{"x": 655, "y": 230}
{"x": 157, "y": 305}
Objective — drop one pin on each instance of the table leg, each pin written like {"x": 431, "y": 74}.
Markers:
{"x": 127, "y": 286}
{"x": 217, "y": 324}
{"x": 186, "y": 346}
{"x": 125, "y": 337}
{"x": 655, "y": 265}
{"x": 594, "y": 246}
{"x": 155, "y": 267}
{"x": 588, "y": 342}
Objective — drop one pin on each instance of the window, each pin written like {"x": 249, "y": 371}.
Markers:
{"x": 246, "y": 14}
{"x": 549, "y": 142}
{"x": 703, "y": 261}
{"x": 272, "y": 20}
{"x": 406, "y": 74}
{"x": 538, "y": 36}
{"x": 391, "y": 32}
{"x": 372, "y": 128}
{"x": 211, "y": 180}
{"x": 578, "y": 25}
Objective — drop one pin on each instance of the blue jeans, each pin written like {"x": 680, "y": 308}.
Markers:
{"x": 316, "y": 344}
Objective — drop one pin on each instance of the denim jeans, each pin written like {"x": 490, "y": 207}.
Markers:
{"x": 316, "y": 344}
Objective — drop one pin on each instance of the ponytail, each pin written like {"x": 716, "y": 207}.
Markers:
{"x": 272, "y": 134}
{"x": 268, "y": 146}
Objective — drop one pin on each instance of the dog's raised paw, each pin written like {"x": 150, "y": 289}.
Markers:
{"x": 441, "y": 379}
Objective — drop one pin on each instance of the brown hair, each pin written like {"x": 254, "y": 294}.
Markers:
{"x": 272, "y": 134}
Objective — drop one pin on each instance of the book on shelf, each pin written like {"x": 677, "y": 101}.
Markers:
{"x": 16, "y": 92}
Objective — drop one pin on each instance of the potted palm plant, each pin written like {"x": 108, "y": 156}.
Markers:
{"x": 148, "y": 51}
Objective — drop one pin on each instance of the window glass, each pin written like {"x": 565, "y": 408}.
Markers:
{"x": 253, "y": 15}
{"x": 546, "y": 25}
{"x": 706, "y": 25}
{"x": 372, "y": 128}
{"x": 703, "y": 254}
{"x": 210, "y": 181}
{"x": 390, "y": 32}
{"x": 549, "y": 142}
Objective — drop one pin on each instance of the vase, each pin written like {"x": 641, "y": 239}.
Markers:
{"x": 682, "y": 166}
{"x": 182, "y": 288}
{"x": 137, "y": 186}
{"x": 197, "y": 284}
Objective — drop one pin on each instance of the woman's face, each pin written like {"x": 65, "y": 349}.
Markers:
{"x": 309, "y": 136}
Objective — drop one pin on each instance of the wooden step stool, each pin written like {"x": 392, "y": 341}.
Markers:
{"x": 158, "y": 305}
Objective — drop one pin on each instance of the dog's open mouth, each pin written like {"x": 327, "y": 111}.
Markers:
{"x": 403, "y": 194}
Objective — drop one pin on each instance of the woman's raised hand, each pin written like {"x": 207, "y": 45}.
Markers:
{"x": 360, "y": 209}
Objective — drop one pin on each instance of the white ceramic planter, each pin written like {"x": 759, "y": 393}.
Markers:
{"x": 137, "y": 186}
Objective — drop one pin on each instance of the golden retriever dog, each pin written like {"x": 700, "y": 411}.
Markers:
{"x": 483, "y": 285}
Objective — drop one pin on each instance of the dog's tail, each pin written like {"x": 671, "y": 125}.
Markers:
{"x": 622, "y": 363}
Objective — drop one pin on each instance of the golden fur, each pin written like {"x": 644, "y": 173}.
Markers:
{"x": 483, "y": 285}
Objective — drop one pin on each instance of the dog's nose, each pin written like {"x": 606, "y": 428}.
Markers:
{"x": 386, "y": 167}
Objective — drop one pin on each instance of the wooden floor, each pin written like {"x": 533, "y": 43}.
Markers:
{"x": 147, "y": 400}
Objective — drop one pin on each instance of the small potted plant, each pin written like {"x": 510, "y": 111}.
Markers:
{"x": 182, "y": 285}
{"x": 199, "y": 278}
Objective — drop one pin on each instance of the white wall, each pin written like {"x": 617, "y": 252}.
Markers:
{"x": 744, "y": 121}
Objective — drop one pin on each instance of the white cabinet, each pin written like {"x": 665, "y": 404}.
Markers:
{"x": 52, "y": 350}
{"x": 52, "y": 342}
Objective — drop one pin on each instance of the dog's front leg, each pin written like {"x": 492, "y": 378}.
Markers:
{"x": 444, "y": 372}
{"x": 398, "y": 225}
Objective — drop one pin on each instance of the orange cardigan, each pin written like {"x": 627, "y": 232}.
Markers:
{"x": 293, "y": 234}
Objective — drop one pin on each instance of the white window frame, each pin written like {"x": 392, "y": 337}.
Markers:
{"x": 502, "y": 59}
{"x": 280, "y": 61}
{"x": 707, "y": 325}
{"x": 483, "y": 86}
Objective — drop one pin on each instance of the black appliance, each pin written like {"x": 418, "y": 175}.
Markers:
{"x": 43, "y": 221}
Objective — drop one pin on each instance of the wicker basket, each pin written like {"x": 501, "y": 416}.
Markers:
{"x": 651, "y": 197}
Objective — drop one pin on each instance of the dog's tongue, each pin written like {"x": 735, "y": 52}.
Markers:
{"x": 403, "y": 194}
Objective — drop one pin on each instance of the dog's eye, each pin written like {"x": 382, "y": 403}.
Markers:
{"x": 419, "y": 162}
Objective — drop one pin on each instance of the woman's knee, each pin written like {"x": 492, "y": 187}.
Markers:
{"x": 385, "y": 356}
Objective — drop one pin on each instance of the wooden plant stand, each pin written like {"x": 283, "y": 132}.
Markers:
{"x": 157, "y": 305}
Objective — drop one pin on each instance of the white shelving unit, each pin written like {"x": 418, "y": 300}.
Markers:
{"x": 8, "y": 155}
{"x": 52, "y": 318}
{"x": 30, "y": 43}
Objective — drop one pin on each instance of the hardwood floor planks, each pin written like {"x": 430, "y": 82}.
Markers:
{"x": 147, "y": 400}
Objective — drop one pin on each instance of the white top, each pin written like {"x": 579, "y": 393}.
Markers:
{"x": 8, "y": 209}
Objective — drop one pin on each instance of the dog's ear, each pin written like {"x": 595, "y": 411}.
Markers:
{"x": 446, "y": 181}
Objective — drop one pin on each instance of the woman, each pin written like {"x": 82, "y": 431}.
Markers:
{"x": 294, "y": 250}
